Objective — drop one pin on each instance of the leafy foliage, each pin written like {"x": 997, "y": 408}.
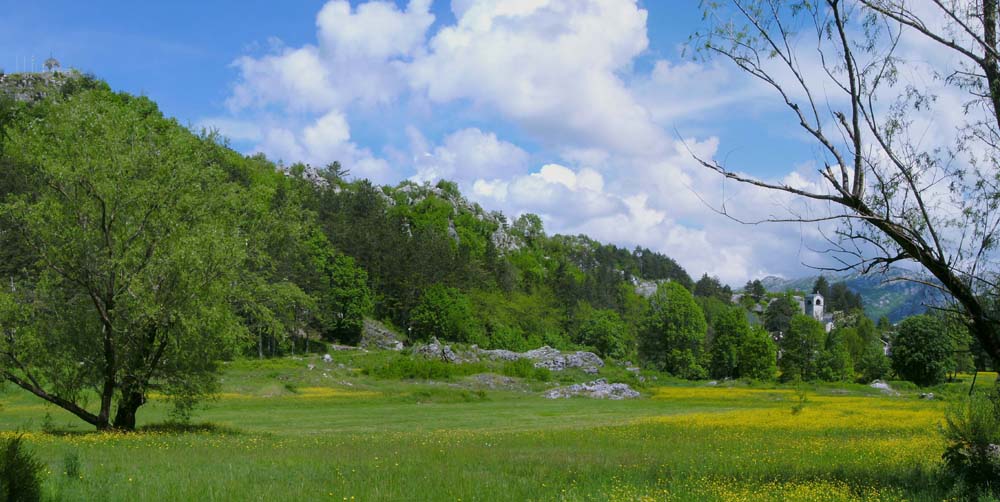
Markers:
{"x": 873, "y": 363}
{"x": 402, "y": 366}
{"x": 835, "y": 363}
{"x": 712, "y": 287}
{"x": 603, "y": 330}
{"x": 800, "y": 349}
{"x": 779, "y": 313}
{"x": 972, "y": 429}
{"x": 921, "y": 352}
{"x": 345, "y": 299}
{"x": 20, "y": 472}
{"x": 758, "y": 356}
{"x": 673, "y": 332}
{"x": 730, "y": 329}
{"x": 138, "y": 239}
{"x": 525, "y": 368}
{"x": 445, "y": 313}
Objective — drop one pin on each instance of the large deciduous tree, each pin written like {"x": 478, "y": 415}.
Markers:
{"x": 900, "y": 194}
{"x": 673, "y": 332}
{"x": 801, "y": 348}
{"x": 758, "y": 355}
{"x": 729, "y": 329}
{"x": 136, "y": 242}
{"x": 920, "y": 353}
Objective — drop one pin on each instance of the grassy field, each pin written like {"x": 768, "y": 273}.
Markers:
{"x": 280, "y": 431}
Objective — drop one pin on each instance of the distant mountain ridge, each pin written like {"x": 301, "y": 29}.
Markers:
{"x": 882, "y": 295}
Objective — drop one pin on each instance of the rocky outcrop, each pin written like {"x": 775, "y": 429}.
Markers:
{"x": 542, "y": 357}
{"x": 412, "y": 194}
{"x": 375, "y": 336}
{"x": 645, "y": 288}
{"x": 33, "y": 87}
{"x": 884, "y": 387}
{"x": 498, "y": 354}
{"x": 436, "y": 350}
{"x": 547, "y": 357}
{"x": 494, "y": 382}
{"x": 502, "y": 238}
{"x": 555, "y": 360}
{"x": 598, "y": 389}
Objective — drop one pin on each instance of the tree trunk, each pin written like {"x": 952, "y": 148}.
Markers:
{"x": 97, "y": 421}
{"x": 987, "y": 333}
{"x": 127, "y": 407}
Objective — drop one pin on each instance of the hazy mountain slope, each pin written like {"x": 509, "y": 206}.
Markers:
{"x": 882, "y": 295}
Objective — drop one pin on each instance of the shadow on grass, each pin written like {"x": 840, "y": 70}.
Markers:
{"x": 172, "y": 427}
{"x": 157, "y": 428}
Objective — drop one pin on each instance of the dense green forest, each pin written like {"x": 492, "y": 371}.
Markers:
{"x": 137, "y": 254}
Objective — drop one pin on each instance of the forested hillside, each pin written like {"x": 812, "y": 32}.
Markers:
{"x": 438, "y": 265}
{"x": 322, "y": 251}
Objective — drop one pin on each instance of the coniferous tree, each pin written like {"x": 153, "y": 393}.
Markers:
{"x": 821, "y": 286}
{"x": 779, "y": 313}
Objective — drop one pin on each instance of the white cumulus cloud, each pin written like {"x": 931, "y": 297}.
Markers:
{"x": 592, "y": 149}
{"x": 552, "y": 66}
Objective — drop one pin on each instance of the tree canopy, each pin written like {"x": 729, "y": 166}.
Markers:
{"x": 673, "y": 332}
{"x": 801, "y": 348}
{"x": 920, "y": 353}
{"x": 137, "y": 238}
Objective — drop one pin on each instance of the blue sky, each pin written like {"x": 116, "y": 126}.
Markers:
{"x": 584, "y": 129}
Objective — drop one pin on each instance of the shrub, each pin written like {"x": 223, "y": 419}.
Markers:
{"x": 445, "y": 313}
{"x": 48, "y": 424}
{"x": 71, "y": 465}
{"x": 504, "y": 337}
{"x": 525, "y": 368}
{"x": 683, "y": 364}
{"x": 834, "y": 364}
{"x": 20, "y": 472}
{"x": 972, "y": 457}
{"x": 408, "y": 368}
{"x": 874, "y": 364}
{"x": 605, "y": 331}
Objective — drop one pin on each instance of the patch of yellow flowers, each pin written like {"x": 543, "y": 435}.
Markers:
{"x": 330, "y": 392}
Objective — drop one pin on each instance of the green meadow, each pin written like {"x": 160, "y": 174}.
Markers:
{"x": 278, "y": 430}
